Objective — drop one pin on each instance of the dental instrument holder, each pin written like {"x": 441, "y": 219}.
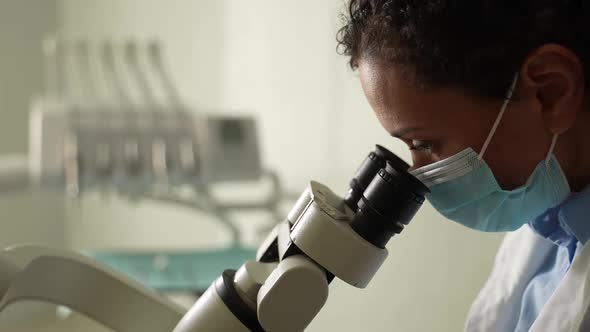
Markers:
{"x": 324, "y": 236}
{"x": 91, "y": 131}
{"x": 80, "y": 150}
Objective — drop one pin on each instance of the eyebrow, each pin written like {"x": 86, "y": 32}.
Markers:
{"x": 404, "y": 131}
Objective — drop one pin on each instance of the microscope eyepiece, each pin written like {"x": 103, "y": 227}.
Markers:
{"x": 375, "y": 161}
{"x": 395, "y": 161}
{"x": 388, "y": 203}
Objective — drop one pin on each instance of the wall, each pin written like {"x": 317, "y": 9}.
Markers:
{"x": 26, "y": 218}
{"x": 277, "y": 60}
{"x": 186, "y": 27}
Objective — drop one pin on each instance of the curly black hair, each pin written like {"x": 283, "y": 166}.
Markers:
{"x": 475, "y": 45}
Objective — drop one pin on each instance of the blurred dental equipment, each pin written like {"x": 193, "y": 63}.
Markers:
{"x": 89, "y": 132}
{"x": 324, "y": 236}
{"x": 111, "y": 120}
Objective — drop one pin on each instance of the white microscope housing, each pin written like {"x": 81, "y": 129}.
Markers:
{"x": 324, "y": 236}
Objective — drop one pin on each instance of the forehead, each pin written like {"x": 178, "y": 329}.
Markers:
{"x": 399, "y": 103}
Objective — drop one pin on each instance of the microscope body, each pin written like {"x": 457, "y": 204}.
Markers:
{"x": 324, "y": 236}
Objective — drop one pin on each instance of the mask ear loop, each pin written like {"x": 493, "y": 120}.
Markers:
{"x": 499, "y": 117}
{"x": 551, "y": 148}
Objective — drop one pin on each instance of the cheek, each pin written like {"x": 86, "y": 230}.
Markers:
{"x": 420, "y": 159}
{"x": 387, "y": 119}
{"x": 457, "y": 135}
{"x": 516, "y": 149}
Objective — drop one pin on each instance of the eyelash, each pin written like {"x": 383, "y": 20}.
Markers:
{"x": 420, "y": 146}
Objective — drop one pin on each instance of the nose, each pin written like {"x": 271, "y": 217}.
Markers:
{"x": 416, "y": 166}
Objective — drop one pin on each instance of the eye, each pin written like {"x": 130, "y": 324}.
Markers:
{"x": 417, "y": 145}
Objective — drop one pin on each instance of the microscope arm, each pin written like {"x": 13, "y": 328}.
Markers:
{"x": 324, "y": 236}
{"x": 285, "y": 288}
{"x": 282, "y": 290}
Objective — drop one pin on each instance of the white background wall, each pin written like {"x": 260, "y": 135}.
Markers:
{"x": 277, "y": 59}
{"x": 26, "y": 218}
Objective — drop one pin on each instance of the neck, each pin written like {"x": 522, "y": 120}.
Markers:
{"x": 574, "y": 152}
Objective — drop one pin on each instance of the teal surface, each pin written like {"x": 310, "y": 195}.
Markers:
{"x": 185, "y": 271}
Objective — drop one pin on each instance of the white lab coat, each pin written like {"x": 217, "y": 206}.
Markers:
{"x": 498, "y": 303}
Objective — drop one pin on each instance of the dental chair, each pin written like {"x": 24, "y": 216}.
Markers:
{"x": 72, "y": 280}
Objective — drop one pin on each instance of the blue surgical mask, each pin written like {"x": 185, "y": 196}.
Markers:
{"x": 464, "y": 189}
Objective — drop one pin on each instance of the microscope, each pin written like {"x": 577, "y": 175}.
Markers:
{"x": 324, "y": 236}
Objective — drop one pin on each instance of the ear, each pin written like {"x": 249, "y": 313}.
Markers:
{"x": 555, "y": 76}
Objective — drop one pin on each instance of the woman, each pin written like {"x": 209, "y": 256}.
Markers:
{"x": 490, "y": 97}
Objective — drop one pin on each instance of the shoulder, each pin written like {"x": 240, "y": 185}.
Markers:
{"x": 521, "y": 248}
{"x": 569, "y": 307}
{"x": 496, "y": 307}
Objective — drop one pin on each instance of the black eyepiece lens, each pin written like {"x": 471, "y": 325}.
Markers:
{"x": 389, "y": 202}
{"x": 395, "y": 161}
{"x": 375, "y": 161}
